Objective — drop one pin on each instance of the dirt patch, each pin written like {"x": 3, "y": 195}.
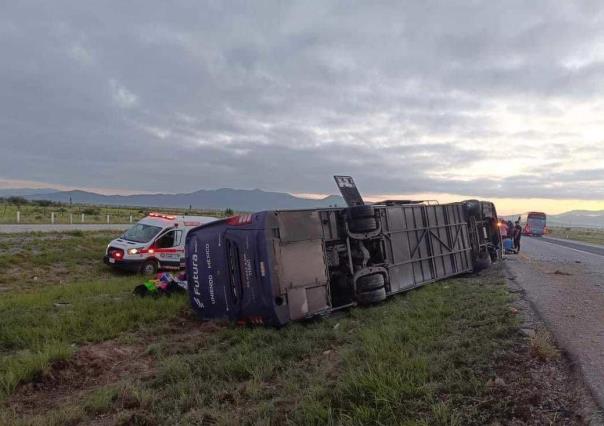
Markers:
{"x": 100, "y": 364}
{"x": 538, "y": 392}
{"x": 91, "y": 366}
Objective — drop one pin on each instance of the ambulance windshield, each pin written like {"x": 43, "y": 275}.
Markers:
{"x": 141, "y": 233}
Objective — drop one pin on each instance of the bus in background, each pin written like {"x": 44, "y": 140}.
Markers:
{"x": 533, "y": 224}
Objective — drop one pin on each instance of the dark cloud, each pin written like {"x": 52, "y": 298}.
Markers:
{"x": 407, "y": 96}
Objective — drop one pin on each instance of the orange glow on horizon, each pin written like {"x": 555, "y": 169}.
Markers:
{"x": 505, "y": 206}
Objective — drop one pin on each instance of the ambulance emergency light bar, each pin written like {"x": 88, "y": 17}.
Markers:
{"x": 162, "y": 216}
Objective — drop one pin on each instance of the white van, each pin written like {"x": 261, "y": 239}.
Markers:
{"x": 155, "y": 242}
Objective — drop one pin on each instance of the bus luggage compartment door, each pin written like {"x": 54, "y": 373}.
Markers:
{"x": 301, "y": 263}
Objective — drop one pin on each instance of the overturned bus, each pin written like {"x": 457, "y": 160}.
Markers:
{"x": 272, "y": 267}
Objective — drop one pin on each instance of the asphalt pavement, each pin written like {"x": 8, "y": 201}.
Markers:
{"x": 575, "y": 245}
{"x": 564, "y": 281}
{"x": 6, "y": 229}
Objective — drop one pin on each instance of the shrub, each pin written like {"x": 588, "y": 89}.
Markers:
{"x": 91, "y": 211}
{"x": 17, "y": 200}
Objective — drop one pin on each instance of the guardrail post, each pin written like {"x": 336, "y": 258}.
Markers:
{"x": 18, "y": 216}
{"x": 52, "y": 217}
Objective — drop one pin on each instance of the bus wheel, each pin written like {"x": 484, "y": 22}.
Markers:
{"x": 149, "y": 268}
{"x": 370, "y": 282}
{"x": 362, "y": 219}
{"x": 370, "y": 289}
{"x": 482, "y": 262}
{"x": 370, "y": 297}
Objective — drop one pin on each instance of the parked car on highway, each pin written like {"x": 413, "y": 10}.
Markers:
{"x": 153, "y": 243}
{"x": 275, "y": 266}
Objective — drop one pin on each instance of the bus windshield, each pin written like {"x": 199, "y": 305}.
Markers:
{"x": 141, "y": 233}
{"x": 536, "y": 215}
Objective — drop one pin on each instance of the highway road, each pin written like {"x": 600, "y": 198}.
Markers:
{"x": 564, "y": 281}
{"x": 575, "y": 245}
{"x": 4, "y": 229}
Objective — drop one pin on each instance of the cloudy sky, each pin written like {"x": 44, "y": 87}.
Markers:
{"x": 500, "y": 100}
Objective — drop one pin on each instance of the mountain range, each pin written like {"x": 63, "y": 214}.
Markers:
{"x": 246, "y": 200}
{"x": 22, "y": 192}
{"x": 236, "y": 199}
{"x": 578, "y": 218}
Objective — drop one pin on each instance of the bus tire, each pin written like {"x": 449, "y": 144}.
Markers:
{"x": 369, "y": 283}
{"x": 371, "y": 297}
{"x": 482, "y": 262}
{"x": 364, "y": 224}
{"x": 494, "y": 255}
{"x": 362, "y": 219}
{"x": 472, "y": 208}
{"x": 357, "y": 212}
{"x": 149, "y": 268}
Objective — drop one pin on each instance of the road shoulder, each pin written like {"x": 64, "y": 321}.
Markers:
{"x": 538, "y": 321}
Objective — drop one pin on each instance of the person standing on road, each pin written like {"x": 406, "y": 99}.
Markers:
{"x": 517, "y": 234}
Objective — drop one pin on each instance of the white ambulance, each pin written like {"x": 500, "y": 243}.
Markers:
{"x": 155, "y": 242}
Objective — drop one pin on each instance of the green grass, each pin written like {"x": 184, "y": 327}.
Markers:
{"x": 57, "y": 294}
{"x": 35, "y": 260}
{"x": 32, "y": 213}
{"x": 588, "y": 235}
{"x": 420, "y": 358}
{"x": 424, "y": 357}
{"x": 34, "y": 331}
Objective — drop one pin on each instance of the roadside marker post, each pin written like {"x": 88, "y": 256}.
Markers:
{"x": 82, "y": 217}
{"x": 130, "y": 218}
{"x": 18, "y": 216}
{"x": 107, "y": 218}
{"x": 52, "y": 218}
{"x": 71, "y": 218}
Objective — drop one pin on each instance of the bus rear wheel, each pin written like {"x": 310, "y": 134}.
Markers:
{"x": 370, "y": 289}
{"x": 362, "y": 219}
{"x": 371, "y": 297}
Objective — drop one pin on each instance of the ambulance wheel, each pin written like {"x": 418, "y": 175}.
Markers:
{"x": 370, "y": 297}
{"x": 149, "y": 268}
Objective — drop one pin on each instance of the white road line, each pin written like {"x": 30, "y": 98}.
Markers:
{"x": 570, "y": 248}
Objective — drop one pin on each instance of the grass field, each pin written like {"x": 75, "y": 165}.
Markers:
{"x": 588, "y": 235}
{"x": 36, "y": 213}
{"x": 35, "y": 260}
{"x": 86, "y": 350}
